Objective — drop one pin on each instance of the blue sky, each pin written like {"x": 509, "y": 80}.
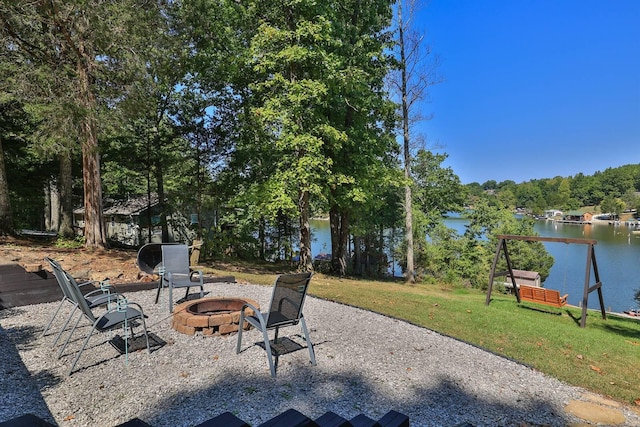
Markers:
{"x": 534, "y": 88}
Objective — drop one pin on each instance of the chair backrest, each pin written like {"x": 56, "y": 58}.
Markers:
{"x": 59, "y": 275}
{"x": 73, "y": 290}
{"x": 175, "y": 258}
{"x": 288, "y": 296}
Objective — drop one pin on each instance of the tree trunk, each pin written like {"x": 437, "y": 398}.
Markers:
{"x": 357, "y": 255}
{"x": 339, "y": 226}
{"x": 65, "y": 187}
{"x": 94, "y": 229}
{"x": 262, "y": 238}
{"x": 306, "y": 263}
{"x": 54, "y": 201}
{"x": 52, "y": 206}
{"x": 408, "y": 206}
{"x": 6, "y": 219}
{"x": 47, "y": 206}
{"x": 161, "y": 202}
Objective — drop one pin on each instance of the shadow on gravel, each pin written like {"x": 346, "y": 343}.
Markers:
{"x": 16, "y": 381}
{"x": 257, "y": 399}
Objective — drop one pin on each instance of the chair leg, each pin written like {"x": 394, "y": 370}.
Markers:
{"x": 146, "y": 335}
{"x": 187, "y": 294}
{"x": 84, "y": 344}
{"x": 267, "y": 347}
{"x": 144, "y": 328}
{"x": 160, "y": 286}
{"x": 312, "y": 354}
{"x": 240, "y": 328}
{"x": 170, "y": 298}
{"x": 44, "y": 332}
{"x": 75, "y": 307}
{"x": 69, "y": 337}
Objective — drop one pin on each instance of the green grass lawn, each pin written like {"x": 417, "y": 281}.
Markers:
{"x": 604, "y": 357}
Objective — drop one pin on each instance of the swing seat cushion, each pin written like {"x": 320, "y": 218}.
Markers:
{"x": 542, "y": 296}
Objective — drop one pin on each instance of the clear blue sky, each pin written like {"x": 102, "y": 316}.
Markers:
{"x": 534, "y": 89}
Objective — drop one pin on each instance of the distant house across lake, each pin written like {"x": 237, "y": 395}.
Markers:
{"x": 577, "y": 216}
{"x": 550, "y": 213}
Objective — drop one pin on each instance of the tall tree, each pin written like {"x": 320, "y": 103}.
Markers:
{"x": 359, "y": 107}
{"x": 416, "y": 74}
{"x": 11, "y": 113}
{"x": 290, "y": 54}
{"x": 83, "y": 53}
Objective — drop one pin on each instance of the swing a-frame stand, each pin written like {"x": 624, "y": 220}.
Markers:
{"x": 591, "y": 263}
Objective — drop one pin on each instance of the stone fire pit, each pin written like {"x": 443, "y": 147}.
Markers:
{"x": 210, "y": 316}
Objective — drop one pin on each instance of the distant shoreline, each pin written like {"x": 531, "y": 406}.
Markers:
{"x": 617, "y": 223}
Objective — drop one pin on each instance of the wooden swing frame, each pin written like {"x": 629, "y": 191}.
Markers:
{"x": 588, "y": 288}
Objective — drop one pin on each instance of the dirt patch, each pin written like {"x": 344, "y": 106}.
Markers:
{"x": 117, "y": 265}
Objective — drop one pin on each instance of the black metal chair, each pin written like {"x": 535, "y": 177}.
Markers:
{"x": 120, "y": 314}
{"x": 96, "y": 298}
{"x": 285, "y": 309}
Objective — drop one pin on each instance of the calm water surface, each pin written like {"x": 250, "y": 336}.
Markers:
{"x": 617, "y": 254}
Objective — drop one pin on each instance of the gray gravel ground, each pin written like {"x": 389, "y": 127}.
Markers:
{"x": 367, "y": 363}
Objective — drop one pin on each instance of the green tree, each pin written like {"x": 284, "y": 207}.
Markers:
{"x": 361, "y": 175}
{"x": 436, "y": 190}
{"x": 490, "y": 185}
{"x": 289, "y": 52}
{"x": 12, "y": 117}
{"x": 530, "y": 196}
{"x": 563, "y": 194}
{"x": 507, "y": 199}
{"x": 76, "y": 58}
{"x": 480, "y": 241}
{"x": 612, "y": 205}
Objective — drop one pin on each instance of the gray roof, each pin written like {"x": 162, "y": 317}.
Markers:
{"x": 132, "y": 206}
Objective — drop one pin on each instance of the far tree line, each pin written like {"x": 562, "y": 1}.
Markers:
{"x": 614, "y": 190}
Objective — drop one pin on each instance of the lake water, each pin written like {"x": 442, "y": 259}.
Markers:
{"x": 617, "y": 255}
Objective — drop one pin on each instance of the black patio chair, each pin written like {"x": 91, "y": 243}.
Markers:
{"x": 120, "y": 314}
{"x": 96, "y": 298}
{"x": 285, "y": 309}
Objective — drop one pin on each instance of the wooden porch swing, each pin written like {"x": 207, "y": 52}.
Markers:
{"x": 542, "y": 295}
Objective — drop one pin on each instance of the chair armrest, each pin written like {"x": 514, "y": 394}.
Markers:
{"x": 88, "y": 282}
{"x": 198, "y": 273}
{"x": 256, "y": 312}
{"x": 251, "y": 306}
{"x": 104, "y": 291}
{"x": 129, "y": 303}
{"x": 122, "y": 306}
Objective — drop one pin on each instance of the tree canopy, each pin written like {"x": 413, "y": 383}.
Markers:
{"x": 252, "y": 118}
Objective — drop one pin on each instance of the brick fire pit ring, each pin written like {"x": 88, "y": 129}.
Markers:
{"x": 211, "y": 316}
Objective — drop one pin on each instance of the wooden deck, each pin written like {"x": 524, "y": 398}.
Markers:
{"x": 19, "y": 287}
